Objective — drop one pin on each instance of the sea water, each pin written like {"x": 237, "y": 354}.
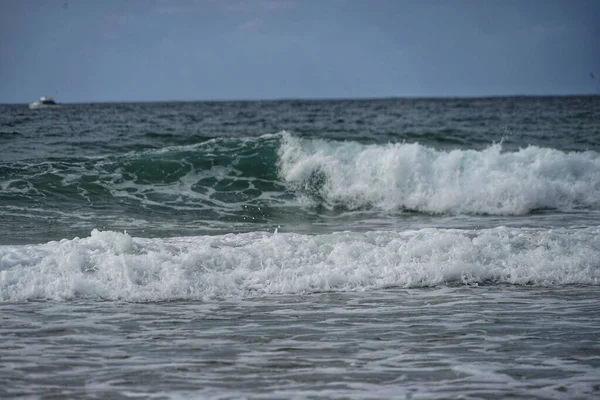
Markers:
{"x": 391, "y": 248}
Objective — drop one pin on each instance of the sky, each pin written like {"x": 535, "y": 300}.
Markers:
{"x": 160, "y": 50}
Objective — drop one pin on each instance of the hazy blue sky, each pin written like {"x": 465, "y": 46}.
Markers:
{"x": 128, "y": 50}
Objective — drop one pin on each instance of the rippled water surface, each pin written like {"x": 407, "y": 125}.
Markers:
{"x": 467, "y": 342}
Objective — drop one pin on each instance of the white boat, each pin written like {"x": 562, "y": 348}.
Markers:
{"x": 45, "y": 102}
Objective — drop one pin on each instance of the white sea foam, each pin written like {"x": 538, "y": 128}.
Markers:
{"x": 412, "y": 176}
{"x": 111, "y": 265}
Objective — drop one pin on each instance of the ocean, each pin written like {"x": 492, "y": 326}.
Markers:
{"x": 305, "y": 249}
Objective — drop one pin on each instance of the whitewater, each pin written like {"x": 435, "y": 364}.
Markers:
{"x": 387, "y": 248}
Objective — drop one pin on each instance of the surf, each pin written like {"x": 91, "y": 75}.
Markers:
{"x": 414, "y": 177}
{"x": 110, "y": 265}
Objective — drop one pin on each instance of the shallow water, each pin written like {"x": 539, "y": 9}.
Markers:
{"x": 448, "y": 342}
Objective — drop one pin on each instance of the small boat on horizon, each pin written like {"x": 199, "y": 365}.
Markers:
{"x": 44, "y": 102}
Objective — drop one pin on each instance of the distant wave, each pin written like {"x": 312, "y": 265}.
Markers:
{"x": 225, "y": 175}
{"x": 115, "y": 266}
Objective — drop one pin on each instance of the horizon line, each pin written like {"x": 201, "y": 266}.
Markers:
{"x": 366, "y": 98}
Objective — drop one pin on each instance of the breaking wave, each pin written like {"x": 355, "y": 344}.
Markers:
{"x": 115, "y": 266}
{"x": 225, "y": 175}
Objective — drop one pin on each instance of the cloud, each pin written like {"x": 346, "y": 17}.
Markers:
{"x": 170, "y": 9}
{"x": 112, "y": 27}
{"x": 167, "y": 7}
{"x": 251, "y": 24}
{"x": 111, "y": 35}
{"x": 258, "y": 5}
{"x": 119, "y": 20}
{"x": 271, "y": 5}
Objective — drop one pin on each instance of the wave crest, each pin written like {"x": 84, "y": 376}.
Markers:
{"x": 415, "y": 177}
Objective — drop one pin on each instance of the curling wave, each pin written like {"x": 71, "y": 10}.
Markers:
{"x": 227, "y": 176}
